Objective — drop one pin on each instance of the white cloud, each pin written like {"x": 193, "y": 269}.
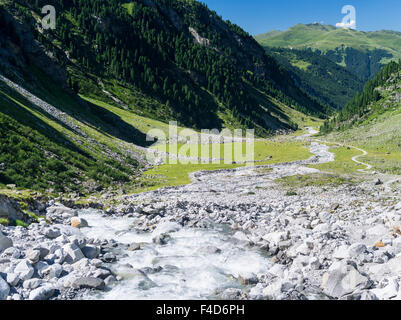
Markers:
{"x": 347, "y": 25}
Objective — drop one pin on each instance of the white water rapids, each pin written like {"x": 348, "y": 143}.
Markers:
{"x": 190, "y": 269}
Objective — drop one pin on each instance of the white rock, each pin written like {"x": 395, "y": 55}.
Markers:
{"x": 323, "y": 228}
{"x": 73, "y": 253}
{"x": 52, "y": 271}
{"x": 303, "y": 249}
{"x": 314, "y": 263}
{"x": 377, "y": 231}
{"x": 33, "y": 256}
{"x": 343, "y": 279}
{"x": 32, "y": 284}
{"x": 325, "y": 217}
{"x": 356, "y": 249}
{"x": 275, "y": 238}
{"x": 12, "y": 279}
{"x": 341, "y": 252}
{"x": 42, "y": 293}
{"x": 388, "y": 292}
{"x": 24, "y": 270}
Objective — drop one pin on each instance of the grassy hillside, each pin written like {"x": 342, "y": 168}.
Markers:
{"x": 372, "y": 121}
{"x": 323, "y": 79}
{"x": 363, "y": 53}
{"x": 165, "y": 60}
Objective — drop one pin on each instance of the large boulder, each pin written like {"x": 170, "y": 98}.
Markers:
{"x": 42, "y": 293}
{"x": 73, "y": 253}
{"x": 9, "y": 209}
{"x": 24, "y": 270}
{"x": 4, "y": 289}
{"x": 77, "y": 222}
{"x": 5, "y": 242}
{"x": 91, "y": 252}
{"x": 343, "y": 279}
{"x": 88, "y": 283}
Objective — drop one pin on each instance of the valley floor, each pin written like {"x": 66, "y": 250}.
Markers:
{"x": 249, "y": 233}
{"x": 296, "y": 230}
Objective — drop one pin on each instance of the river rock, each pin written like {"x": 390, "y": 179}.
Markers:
{"x": 43, "y": 252}
{"x": 52, "y": 271}
{"x": 32, "y": 284}
{"x": 13, "y": 279}
{"x": 356, "y": 249}
{"x": 248, "y": 279}
{"x": 161, "y": 239}
{"x": 24, "y": 270}
{"x": 109, "y": 257}
{"x": 388, "y": 292}
{"x": 88, "y": 283}
{"x": 231, "y": 294}
{"x": 73, "y": 253}
{"x": 341, "y": 252}
{"x": 42, "y": 293}
{"x": 4, "y": 289}
{"x": 110, "y": 280}
{"x": 77, "y": 222}
{"x": 134, "y": 247}
{"x": 52, "y": 233}
{"x": 33, "y": 256}
{"x": 343, "y": 279}
{"x": 91, "y": 252}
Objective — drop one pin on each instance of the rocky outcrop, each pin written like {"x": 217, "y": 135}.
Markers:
{"x": 9, "y": 209}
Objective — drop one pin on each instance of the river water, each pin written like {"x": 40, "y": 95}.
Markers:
{"x": 194, "y": 264}
{"x": 192, "y": 267}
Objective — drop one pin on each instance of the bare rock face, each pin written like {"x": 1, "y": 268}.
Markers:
{"x": 9, "y": 209}
{"x": 5, "y": 242}
{"x": 26, "y": 46}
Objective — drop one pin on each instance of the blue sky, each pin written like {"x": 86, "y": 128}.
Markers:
{"x": 259, "y": 16}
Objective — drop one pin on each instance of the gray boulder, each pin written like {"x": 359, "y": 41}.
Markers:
{"x": 4, "y": 289}
{"x": 52, "y": 233}
{"x": 5, "y": 242}
{"x": 88, "y": 283}
{"x": 91, "y": 252}
{"x": 42, "y": 293}
{"x": 9, "y": 209}
{"x": 343, "y": 279}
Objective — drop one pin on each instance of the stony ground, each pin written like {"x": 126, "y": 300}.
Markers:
{"x": 52, "y": 259}
{"x": 335, "y": 242}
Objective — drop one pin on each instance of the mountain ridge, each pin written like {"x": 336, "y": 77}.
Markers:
{"x": 363, "y": 53}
